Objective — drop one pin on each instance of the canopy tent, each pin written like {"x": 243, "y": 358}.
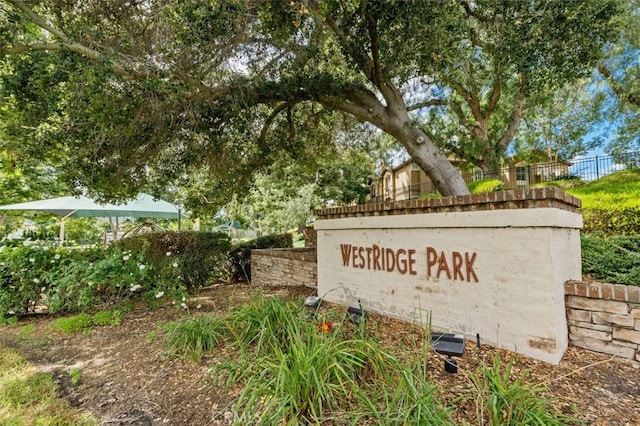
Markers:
{"x": 142, "y": 206}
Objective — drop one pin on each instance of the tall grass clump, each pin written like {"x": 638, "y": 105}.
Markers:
{"x": 263, "y": 319}
{"x": 503, "y": 399}
{"x": 195, "y": 337}
{"x": 294, "y": 370}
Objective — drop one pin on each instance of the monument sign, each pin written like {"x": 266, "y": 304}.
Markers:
{"x": 493, "y": 265}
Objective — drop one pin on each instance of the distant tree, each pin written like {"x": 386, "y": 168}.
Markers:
{"x": 620, "y": 70}
{"x": 167, "y": 88}
{"x": 562, "y": 124}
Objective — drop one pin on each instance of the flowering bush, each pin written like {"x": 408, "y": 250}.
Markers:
{"x": 64, "y": 280}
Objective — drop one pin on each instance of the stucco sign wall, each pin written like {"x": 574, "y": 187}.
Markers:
{"x": 496, "y": 273}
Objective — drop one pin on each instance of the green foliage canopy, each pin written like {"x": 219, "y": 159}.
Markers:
{"x": 169, "y": 89}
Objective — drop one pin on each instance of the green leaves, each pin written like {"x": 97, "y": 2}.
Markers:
{"x": 155, "y": 93}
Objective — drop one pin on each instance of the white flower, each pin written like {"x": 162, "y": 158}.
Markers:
{"x": 198, "y": 306}
{"x": 168, "y": 253}
{"x": 175, "y": 264}
{"x": 184, "y": 299}
{"x": 135, "y": 287}
{"x": 57, "y": 256}
{"x": 183, "y": 305}
{"x": 52, "y": 261}
{"x": 141, "y": 266}
{"x": 126, "y": 257}
{"x": 159, "y": 294}
{"x": 36, "y": 280}
{"x": 31, "y": 259}
{"x": 43, "y": 289}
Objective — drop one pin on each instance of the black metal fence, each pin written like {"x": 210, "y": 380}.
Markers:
{"x": 596, "y": 167}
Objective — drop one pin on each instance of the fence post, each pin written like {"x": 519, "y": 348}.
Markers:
{"x": 597, "y": 169}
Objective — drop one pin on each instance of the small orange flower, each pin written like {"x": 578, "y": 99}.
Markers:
{"x": 325, "y": 326}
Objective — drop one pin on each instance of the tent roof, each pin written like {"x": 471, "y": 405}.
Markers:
{"x": 143, "y": 206}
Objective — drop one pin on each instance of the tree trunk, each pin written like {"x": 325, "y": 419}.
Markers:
{"x": 446, "y": 178}
{"x": 394, "y": 120}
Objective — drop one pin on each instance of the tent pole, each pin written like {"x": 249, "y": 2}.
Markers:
{"x": 62, "y": 219}
{"x": 61, "y": 239}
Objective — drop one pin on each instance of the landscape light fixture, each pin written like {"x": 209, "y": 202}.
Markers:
{"x": 356, "y": 315}
{"x": 450, "y": 345}
{"x": 312, "y": 303}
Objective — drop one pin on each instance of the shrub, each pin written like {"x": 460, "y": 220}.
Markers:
{"x": 485, "y": 185}
{"x": 198, "y": 256}
{"x": 240, "y": 255}
{"x": 25, "y": 278}
{"x": 615, "y": 260}
{"x": 612, "y": 220}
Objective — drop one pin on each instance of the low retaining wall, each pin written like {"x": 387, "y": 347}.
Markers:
{"x": 604, "y": 318}
{"x": 287, "y": 266}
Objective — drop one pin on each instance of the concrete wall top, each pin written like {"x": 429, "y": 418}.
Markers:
{"x": 550, "y": 197}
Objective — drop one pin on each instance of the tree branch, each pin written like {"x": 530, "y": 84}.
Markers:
{"x": 37, "y": 20}
{"x": 376, "y": 72}
{"x": 267, "y": 124}
{"x": 65, "y": 42}
{"x": 425, "y": 104}
{"x": 496, "y": 91}
{"x": 617, "y": 89}
{"x": 516, "y": 115}
{"x": 73, "y": 47}
{"x": 457, "y": 109}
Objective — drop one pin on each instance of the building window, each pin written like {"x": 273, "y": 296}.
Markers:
{"x": 521, "y": 174}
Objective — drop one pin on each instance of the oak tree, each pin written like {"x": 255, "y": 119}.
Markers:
{"x": 138, "y": 90}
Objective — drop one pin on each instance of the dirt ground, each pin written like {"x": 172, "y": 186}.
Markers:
{"x": 126, "y": 377}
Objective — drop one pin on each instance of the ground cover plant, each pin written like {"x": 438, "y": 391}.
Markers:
{"x": 611, "y": 204}
{"x": 28, "y": 396}
{"x": 612, "y": 260}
